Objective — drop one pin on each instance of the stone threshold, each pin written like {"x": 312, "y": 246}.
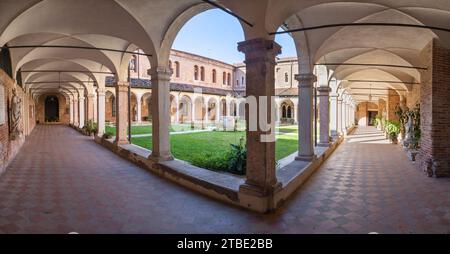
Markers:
{"x": 221, "y": 185}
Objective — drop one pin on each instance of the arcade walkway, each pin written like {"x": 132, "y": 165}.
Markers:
{"x": 62, "y": 182}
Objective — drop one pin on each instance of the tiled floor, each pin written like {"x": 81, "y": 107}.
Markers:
{"x": 62, "y": 182}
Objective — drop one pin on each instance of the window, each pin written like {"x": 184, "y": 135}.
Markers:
{"x": 237, "y": 82}
{"x": 177, "y": 69}
{"x": 133, "y": 63}
{"x": 113, "y": 105}
{"x": 229, "y": 79}
{"x": 224, "y": 78}
{"x": 195, "y": 72}
{"x": 202, "y": 73}
{"x": 2, "y": 105}
{"x": 214, "y": 76}
{"x": 242, "y": 81}
{"x": 286, "y": 77}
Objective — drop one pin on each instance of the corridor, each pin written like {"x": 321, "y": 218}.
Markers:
{"x": 62, "y": 182}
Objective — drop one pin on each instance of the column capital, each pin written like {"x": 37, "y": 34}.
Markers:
{"x": 122, "y": 86}
{"x": 323, "y": 91}
{"x": 92, "y": 96}
{"x": 259, "y": 49}
{"x": 101, "y": 91}
{"x": 160, "y": 73}
{"x": 305, "y": 80}
{"x": 81, "y": 98}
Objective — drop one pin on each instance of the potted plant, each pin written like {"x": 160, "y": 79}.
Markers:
{"x": 392, "y": 130}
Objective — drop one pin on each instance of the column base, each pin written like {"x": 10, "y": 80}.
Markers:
{"x": 324, "y": 144}
{"x": 257, "y": 198}
{"x": 160, "y": 158}
{"x": 121, "y": 142}
{"x": 305, "y": 157}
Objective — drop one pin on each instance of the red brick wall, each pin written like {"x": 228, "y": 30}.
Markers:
{"x": 393, "y": 101}
{"x": 9, "y": 148}
{"x": 434, "y": 156}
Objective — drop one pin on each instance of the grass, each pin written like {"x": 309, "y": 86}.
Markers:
{"x": 147, "y": 129}
{"x": 184, "y": 146}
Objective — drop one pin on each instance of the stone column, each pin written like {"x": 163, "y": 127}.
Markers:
{"x": 306, "y": 117}
{"x": 81, "y": 101}
{"x": 261, "y": 181}
{"x": 90, "y": 107}
{"x": 340, "y": 118}
{"x": 218, "y": 111}
{"x": 295, "y": 111}
{"x": 71, "y": 110}
{"x": 334, "y": 115}
{"x": 177, "y": 112}
{"x": 101, "y": 111}
{"x": 75, "y": 112}
{"x": 193, "y": 111}
{"x": 95, "y": 107}
{"x": 206, "y": 116}
{"x": 161, "y": 113}
{"x": 324, "y": 105}
{"x": 138, "y": 108}
{"x": 122, "y": 113}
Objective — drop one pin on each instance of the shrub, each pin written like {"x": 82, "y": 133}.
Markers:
{"x": 107, "y": 135}
{"x": 234, "y": 161}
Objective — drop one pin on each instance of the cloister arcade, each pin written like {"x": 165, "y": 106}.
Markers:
{"x": 67, "y": 48}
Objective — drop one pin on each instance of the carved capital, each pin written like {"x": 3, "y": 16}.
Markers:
{"x": 122, "y": 86}
{"x": 323, "y": 91}
{"x": 160, "y": 73}
{"x": 306, "y": 80}
{"x": 259, "y": 50}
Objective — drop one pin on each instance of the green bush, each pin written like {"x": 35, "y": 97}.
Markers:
{"x": 107, "y": 135}
{"x": 234, "y": 161}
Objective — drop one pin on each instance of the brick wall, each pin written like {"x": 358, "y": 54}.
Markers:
{"x": 362, "y": 116}
{"x": 434, "y": 155}
{"x": 9, "y": 148}
{"x": 393, "y": 101}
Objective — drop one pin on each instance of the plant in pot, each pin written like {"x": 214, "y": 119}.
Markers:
{"x": 393, "y": 129}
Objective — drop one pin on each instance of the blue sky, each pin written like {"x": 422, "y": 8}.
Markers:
{"x": 215, "y": 34}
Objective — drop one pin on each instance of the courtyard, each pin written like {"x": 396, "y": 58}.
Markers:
{"x": 362, "y": 188}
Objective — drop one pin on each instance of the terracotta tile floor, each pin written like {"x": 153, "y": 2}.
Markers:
{"x": 62, "y": 182}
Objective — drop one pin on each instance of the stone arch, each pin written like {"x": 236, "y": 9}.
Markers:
{"x": 185, "y": 109}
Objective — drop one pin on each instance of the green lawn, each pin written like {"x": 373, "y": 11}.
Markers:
{"x": 184, "y": 146}
{"x": 147, "y": 129}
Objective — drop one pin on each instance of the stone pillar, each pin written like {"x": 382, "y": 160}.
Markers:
{"x": 306, "y": 117}
{"x": 161, "y": 113}
{"x": 122, "y": 113}
{"x": 218, "y": 111}
{"x": 206, "y": 116}
{"x": 75, "y": 112}
{"x": 95, "y": 107}
{"x": 193, "y": 116}
{"x": 81, "y": 101}
{"x": 90, "y": 107}
{"x": 261, "y": 182}
{"x": 71, "y": 110}
{"x": 138, "y": 108}
{"x": 324, "y": 106}
{"x": 340, "y": 118}
{"x": 177, "y": 112}
{"x": 101, "y": 111}
{"x": 334, "y": 115}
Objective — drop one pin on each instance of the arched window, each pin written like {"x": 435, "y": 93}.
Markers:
{"x": 214, "y": 74}
{"x": 243, "y": 81}
{"x": 224, "y": 78}
{"x": 170, "y": 66}
{"x": 195, "y": 72}
{"x": 133, "y": 63}
{"x": 202, "y": 73}
{"x": 177, "y": 69}
{"x": 113, "y": 106}
{"x": 284, "y": 112}
{"x": 229, "y": 79}
{"x": 286, "y": 77}
{"x": 289, "y": 112}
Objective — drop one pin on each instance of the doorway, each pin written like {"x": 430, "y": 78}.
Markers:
{"x": 51, "y": 109}
{"x": 371, "y": 116}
